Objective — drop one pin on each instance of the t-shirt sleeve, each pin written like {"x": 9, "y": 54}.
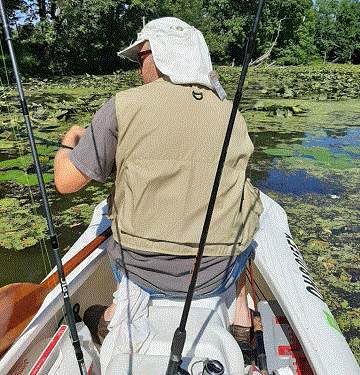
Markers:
{"x": 95, "y": 153}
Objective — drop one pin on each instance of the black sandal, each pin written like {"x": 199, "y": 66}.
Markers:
{"x": 94, "y": 320}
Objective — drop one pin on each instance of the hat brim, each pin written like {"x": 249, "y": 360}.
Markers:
{"x": 132, "y": 51}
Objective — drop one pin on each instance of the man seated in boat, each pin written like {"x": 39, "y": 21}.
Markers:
{"x": 165, "y": 139}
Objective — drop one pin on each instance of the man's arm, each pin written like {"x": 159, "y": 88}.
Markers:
{"x": 67, "y": 177}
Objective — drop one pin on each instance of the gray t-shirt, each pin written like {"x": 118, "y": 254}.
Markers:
{"x": 94, "y": 156}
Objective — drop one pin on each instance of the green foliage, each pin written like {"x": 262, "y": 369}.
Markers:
{"x": 338, "y": 30}
{"x": 83, "y": 37}
{"x": 295, "y": 43}
{"x": 301, "y": 49}
{"x": 355, "y": 347}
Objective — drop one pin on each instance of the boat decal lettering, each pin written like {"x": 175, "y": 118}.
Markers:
{"x": 332, "y": 322}
{"x": 64, "y": 288}
{"x": 311, "y": 287}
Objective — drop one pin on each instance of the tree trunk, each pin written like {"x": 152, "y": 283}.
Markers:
{"x": 262, "y": 58}
{"x": 42, "y": 10}
{"x": 55, "y": 11}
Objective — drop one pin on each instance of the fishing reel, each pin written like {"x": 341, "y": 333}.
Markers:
{"x": 213, "y": 367}
{"x": 210, "y": 367}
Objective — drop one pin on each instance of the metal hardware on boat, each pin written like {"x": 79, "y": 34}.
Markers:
{"x": 181, "y": 371}
{"x": 213, "y": 367}
{"x": 284, "y": 371}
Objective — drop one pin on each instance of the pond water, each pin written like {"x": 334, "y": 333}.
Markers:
{"x": 33, "y": 263}
{"x": 265, "y": 173}
{"x": 298, "y": 183}
{"x": 339, "y": 141}
{"x": 308, "y": 164}
{"x": 345, "y": 141}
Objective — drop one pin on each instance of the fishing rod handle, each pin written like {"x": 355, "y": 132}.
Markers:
{"x": 177, "y": 347}
{"x": 257, "y": 322}
{"x": 259, "y": 343}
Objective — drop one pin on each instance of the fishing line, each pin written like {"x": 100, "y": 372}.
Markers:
{"x": 47, "y": 264}
{"x": 46, "y": 141}
{"x": 42, "y": 243}
{"x": 52, "y": 235}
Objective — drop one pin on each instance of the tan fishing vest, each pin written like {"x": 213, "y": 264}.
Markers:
{"x": 169, "y": 144}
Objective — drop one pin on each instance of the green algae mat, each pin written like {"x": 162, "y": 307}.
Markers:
{"x": 305, "y": 126}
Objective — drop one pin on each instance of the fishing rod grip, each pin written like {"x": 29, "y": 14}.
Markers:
{"x": 176, "y": 351}
{"x": 259, "y": 344}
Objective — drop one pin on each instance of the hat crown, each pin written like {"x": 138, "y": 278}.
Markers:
{"x": 178, "y": 49}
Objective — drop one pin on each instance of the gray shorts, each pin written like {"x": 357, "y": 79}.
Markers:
{"x": 227, "y": 282}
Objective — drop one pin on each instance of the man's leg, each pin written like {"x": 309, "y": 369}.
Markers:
{"x": 242, "y": 311}
{"x": 110, "y": 311}
{"x": 241, "y": 328}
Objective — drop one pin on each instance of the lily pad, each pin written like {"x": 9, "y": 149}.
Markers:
{"x": 79, "y": 213}
{"x": 46, "y": 150}
{"x": 353, "y": 149}
{"x": 21, "y": 227}
{"x": 5, "y": 144}
{"x": 11, "y": 175}
{"x": 23, "y": 161}
{"x": 31, "y": 180}
{"x": 280, "y": 152}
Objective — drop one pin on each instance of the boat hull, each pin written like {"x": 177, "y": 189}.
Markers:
{"x": 299, "y": 330}
{"x": 280, "y": 263}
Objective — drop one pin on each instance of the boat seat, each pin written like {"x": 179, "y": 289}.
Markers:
{"x": 207, "y": 338}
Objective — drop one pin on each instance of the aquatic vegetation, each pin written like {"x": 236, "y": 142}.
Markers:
{"x": 302, "y": 128}
{"x": 78, "y": 214}
{"x": 31, "y": 179}
{"x": 314, "y": 158}
{"x": 22, "y": 170}
{"x": 322, "y": 82}
{"x": 10, "y": 175}
{"x": 4, "y": 144}
{"x": 23, "y": 161}
{"x": 20, "y": 226}
{"x": 355, "y": 347}
{"x": 353, "y": 149}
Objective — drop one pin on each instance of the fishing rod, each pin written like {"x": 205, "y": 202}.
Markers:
{"x": 53, "y": 237}
{"x": 180, "y": 333}
{"x": 46, "y": 141}
{"x": 261, "y": 360}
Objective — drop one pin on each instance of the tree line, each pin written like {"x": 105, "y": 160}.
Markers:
{"x": 65, "y": 37}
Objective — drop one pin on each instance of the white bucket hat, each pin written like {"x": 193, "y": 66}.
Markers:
{"x": 179, "y": 51}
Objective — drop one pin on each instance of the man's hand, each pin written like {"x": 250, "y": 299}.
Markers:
{"x": 67, "y": 177}
{"x": 72, "y": 137}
